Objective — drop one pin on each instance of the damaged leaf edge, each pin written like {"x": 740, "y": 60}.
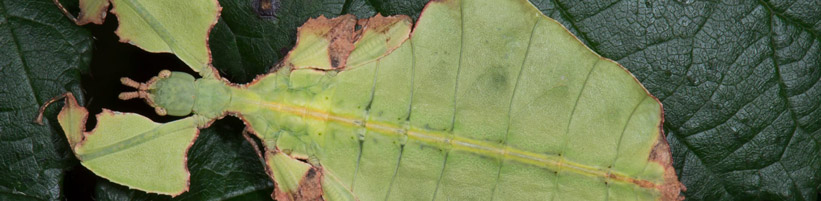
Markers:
{"x": 85, "y": 18}
{"x": 71, "y": 104}
{"x": 344, "y": 48}
{"x": 669, "y": 189}
{"x": 661, "y": 153}
{"x": 204, "y": 71}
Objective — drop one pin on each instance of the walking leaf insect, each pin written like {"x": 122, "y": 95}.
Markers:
{"x": 464, "y": 105}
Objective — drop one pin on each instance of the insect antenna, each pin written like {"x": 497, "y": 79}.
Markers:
{"x": 142, "y": 90}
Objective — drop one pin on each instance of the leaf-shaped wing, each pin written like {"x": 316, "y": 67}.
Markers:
{"x": 130, "y": 149}
{"x": 507, "y": 105}
{"x": 179, "y": 27}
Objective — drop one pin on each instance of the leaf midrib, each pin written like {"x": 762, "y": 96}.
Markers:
{"x": 443, "y": 139}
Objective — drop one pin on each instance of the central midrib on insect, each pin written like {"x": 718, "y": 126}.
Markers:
{"x": 441, "y": 139}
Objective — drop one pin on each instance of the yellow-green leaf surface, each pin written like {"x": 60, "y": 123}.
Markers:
{"x": 130, "y": 149}
{"x": 478, "y": 100}
{"x": 92, "y": 11}
{"x": 179, "y": 27}
{"x": 487, "y": 99}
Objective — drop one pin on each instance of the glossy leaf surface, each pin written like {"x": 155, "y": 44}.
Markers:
{"x": 42, "y": 56}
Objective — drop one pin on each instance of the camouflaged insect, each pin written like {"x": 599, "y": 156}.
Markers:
{"x": 463, "y": 105}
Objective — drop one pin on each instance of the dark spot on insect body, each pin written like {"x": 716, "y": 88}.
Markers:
{"x": 334, "y": 61}
{"x": 265, "y": 8}
{"x": 311, "y": 173}
{"x": 551, "y": 153}
{"x": 499, "y": 79}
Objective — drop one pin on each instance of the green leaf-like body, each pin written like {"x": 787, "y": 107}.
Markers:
{"x": 130, "y": 149}
{"x": 740, "y": 84}
{"x": 468, "y": 106}
{"x": 223, "y": 167}
{"x": 537, "y": 114}
{"x": 179, "y": 27}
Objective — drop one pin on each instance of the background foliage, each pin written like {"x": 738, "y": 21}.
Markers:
{"x": 740, "y": 82}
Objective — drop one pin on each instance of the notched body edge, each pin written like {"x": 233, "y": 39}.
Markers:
{"x": 330, "y": 46}
{"x": 146, "y": 144}
{"x": 671, "y": 187}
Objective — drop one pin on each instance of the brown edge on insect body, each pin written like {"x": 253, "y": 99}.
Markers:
{"x": 342, "y": 33}
{"x": 209, "y": 66}
{"x": 84, "y": 19}
{"x": 104, "y": 10}
{"x": 184, "y": 159}
{"x": 99, "y": 19}
{"x": 343, "y": 36}
{"x": 671, "y": 187}
{"x": 342, "y": 39}
{"x": 336, "y": 29}
{"x": 214, "y": 72}
{"x": 71, "y": 103}
{"x": 661, "y": 153}
{"x": 310, "y": 188}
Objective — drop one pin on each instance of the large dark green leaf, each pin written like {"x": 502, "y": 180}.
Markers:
{"x": 42, "y": 55}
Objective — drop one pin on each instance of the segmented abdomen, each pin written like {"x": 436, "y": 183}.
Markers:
{"x": 473, "y": 107}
